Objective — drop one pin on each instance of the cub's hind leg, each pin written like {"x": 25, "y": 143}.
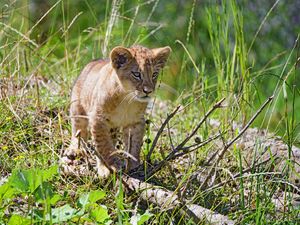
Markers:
{"x": 79, "y": 131}
{"x": 72, "y": 159}
{"x": 79, "y": 122}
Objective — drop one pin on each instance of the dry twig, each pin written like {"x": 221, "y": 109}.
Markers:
{"x": 173, "y": 154}
{"x": 236, "y": 176}
{"x": 161, "y": 129}
{"x": 228, "y": 144}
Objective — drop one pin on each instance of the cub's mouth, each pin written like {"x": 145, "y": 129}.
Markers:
{"x": 145, "y": 98}
{"x": 141, "y": 97}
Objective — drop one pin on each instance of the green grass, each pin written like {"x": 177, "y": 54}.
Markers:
{"x": 219, "y": 50}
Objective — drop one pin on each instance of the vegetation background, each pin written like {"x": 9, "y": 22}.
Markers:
{"x": 243, "y": 50}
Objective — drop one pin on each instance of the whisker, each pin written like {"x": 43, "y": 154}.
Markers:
{"x": 133, "y": 97}
{"x": 128, "y": 96}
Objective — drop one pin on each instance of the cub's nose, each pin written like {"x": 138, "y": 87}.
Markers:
{"x": 147, "y": 90}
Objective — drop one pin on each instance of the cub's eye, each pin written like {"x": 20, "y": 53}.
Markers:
{"x": 136, "y": 75}
{"x": 155, "y": 74}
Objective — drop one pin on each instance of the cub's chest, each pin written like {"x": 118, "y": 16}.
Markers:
{"x": 125, "y": 114}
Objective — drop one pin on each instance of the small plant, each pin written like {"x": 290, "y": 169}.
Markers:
{"x": 29, "y": 197}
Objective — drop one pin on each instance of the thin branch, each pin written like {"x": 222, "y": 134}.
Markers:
{"x": 215, "y": 153}
{"x": 239, "y": 174}
{"x": 159, "y": 132}
{"x": 215, "y": 106}
{"x": 226, "y": 147}
{"x": 172, "y": 155}
{"x": 170, "y": 138}
{"x": 189, "y": 149}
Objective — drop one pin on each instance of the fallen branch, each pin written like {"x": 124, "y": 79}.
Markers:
{"x": 269, "y": 145}
{"x": 166, "y": 199}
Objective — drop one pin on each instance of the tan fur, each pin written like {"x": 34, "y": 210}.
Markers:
{"x": 108, "y": 95}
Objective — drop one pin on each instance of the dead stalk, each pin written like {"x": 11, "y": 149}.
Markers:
{"x": 236, "y": 176}
{"x": 161, "y": 129}
{"x": 215, "y": 106}
{"x": 180, "y": 147}
{"x": 228, "y": 144}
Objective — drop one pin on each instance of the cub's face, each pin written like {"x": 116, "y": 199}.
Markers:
{"x": 138, "y": 69}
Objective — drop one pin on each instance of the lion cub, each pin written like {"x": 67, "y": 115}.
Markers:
{"x": 112, "y": 94}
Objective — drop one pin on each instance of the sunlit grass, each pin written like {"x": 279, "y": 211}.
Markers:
{"x": 37, "y": 73}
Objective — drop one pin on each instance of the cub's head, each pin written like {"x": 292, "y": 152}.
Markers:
{"x": 138, "y": 68}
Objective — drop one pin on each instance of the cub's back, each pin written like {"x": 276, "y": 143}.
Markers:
{"x": 87, "y": 79}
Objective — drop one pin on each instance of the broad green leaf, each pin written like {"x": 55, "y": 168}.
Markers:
{"x": 140, "y": 219}
{"x": 3, "y": 189}
{"x": 29, "y": 180}
{"x": 18, "y": 220}
{"x": 90, "y": 197}
{"x": 43, "y": 192}
{"x": 99, "y": 213}
{"x": 38, "y": 214}
{"x": 6, "y": 191}
{"x": 55, "y": 199}
{"x": 62, "y": 214}
{"x": 49, "y": 174}
{"x": 81, "y": 203}
{"x": 85, "y": 218}
{"x": 96, "y": 195}
{"x": 19, "y": 180}
{"x": 83, "y": 200}
{"x": 144, "y": 218}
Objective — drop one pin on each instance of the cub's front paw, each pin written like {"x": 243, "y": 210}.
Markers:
{"x": 117, "y": 163}
{"x": 72, "y": 152}
{"x": 72, "y": 167}
{"x": 104, "y": 168}
{"x": 73, "y": 163}
{"x": 102, "y": 171}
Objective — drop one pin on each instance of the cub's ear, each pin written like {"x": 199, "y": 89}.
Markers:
{"x": 161, "y": 55}
{"x": 120, "y": 57}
